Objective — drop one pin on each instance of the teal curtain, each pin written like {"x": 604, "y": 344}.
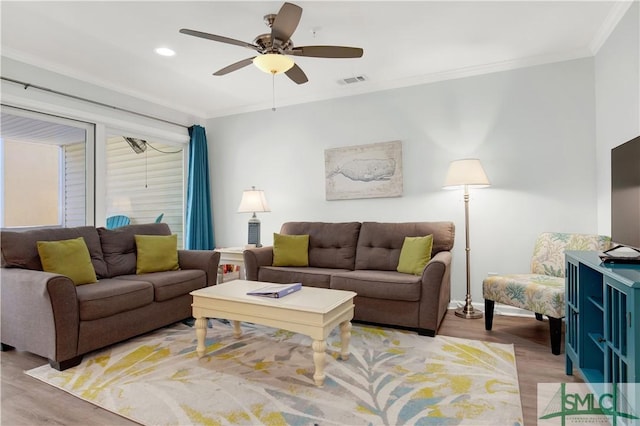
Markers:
{"x": 199, "y": 227}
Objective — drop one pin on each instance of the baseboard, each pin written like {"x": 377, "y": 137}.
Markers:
{"x": 499, "y": 309}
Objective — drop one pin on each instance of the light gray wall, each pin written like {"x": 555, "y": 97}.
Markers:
{"x": 617, "y": 85}
{"x": 533, "y": 129}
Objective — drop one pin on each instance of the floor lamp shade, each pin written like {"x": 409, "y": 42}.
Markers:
{"x": 464, "y": 174}
{"x": 253, "y": 201}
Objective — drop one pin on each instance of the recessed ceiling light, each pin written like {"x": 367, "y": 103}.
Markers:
{"x": 165, "y": 51}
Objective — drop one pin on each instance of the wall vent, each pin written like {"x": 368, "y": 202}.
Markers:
{"x": 353, "y": 80}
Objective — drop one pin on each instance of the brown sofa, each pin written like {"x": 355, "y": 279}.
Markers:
{"x": 363, "y": 257}
{"x": 46, "y": 314}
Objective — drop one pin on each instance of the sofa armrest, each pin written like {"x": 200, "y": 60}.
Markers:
{"x": 436, "y": 290}
{"x": 254, "y": 258}
{"x": 206, "y": 260}
{"x": 40, "y": 313}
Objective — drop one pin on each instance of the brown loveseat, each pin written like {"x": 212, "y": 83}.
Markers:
{"x": 46, "y": 314}
{"x": 363, "y": 257}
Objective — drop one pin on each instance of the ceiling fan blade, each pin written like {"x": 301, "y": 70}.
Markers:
{"x": 296, "y": 74}
{"x": 234, "y": 67}
{"x": 326, "y": 51}
{"x": 286, "y": 22}
{"x": 221, "y": 39}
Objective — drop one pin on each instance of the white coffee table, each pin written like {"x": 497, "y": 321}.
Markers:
{"x": 312, "y": 311}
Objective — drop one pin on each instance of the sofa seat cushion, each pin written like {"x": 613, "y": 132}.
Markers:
{"x": 390, "y": 285}
{"x": 171, "y": 284}
{"x": 308, "y": 276}
{"x": 112, "y": 296}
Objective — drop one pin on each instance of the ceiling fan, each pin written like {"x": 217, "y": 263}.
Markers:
{"x": 274, "y": 47}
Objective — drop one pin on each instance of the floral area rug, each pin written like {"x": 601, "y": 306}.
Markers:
{"x": 265, "y": 377}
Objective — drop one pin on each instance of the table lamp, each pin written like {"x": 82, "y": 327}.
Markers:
{"x": 464, "y": 174}
{"x": 253, "y": 201}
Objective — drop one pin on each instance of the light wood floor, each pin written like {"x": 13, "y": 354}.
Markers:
{"x": 27, "y": 401}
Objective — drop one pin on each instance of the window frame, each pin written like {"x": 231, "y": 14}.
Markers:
{"x": 89, "y": 165}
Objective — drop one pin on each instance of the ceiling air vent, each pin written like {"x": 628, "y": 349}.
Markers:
{"x": 353, "y": 80}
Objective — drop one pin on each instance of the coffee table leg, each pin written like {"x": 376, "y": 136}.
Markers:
{"x": 237, "y": 331}
{"x": 201, "y": 334}
{"x": 345, "y": 338}
{"x": 319, "y": 347}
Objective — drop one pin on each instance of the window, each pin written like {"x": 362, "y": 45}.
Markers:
{"x": 145, "y": 179}
{"x": 45, "y": 162}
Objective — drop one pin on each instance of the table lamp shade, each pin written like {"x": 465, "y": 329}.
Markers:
{"x": 466, "y": 172}
{"x": 253, "y": 200}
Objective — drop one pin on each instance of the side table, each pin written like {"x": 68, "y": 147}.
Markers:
{"x": 232, "y": 256}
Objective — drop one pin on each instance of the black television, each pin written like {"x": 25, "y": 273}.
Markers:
{"x": 625, "y": 193}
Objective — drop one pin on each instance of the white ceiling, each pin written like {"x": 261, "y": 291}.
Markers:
{"x": 112, "y": 44}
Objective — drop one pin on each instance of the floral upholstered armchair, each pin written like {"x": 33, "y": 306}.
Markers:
{"x": 542, "y": 290}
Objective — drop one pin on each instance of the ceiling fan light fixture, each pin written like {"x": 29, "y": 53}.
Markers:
{"x": 273, "y": 63}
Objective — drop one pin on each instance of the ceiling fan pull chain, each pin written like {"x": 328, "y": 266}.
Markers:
{"x": 146, "y": 153}
{"x": 273, "y": 91}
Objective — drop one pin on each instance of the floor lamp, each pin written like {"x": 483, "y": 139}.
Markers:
{"x": 464, "y": 174}
{"x": 253, "y": 201}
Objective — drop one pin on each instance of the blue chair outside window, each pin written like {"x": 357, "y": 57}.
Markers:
{"x": 117, "y": 221}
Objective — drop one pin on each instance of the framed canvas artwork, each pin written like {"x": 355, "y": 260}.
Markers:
{"x": 364, "y": 171}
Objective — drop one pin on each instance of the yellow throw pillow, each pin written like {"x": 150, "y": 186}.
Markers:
{"x": 156, "y": 253}
{"x": 68, "y": 257}
{"x": 415, "y": 254}
{"x": 290, "y": 250}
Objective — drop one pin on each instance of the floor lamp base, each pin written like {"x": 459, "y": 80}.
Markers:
{"x": 467, "y": 311}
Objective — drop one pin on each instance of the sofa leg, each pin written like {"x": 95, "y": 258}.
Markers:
{"x": 488, "y": 313}
{"x": 4, "y": 347}
{"x": 426, "y": 332}
{"x": 555, "y": 332}
{"x": 68, "y": 363}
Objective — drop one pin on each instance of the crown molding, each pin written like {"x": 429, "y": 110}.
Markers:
{"x": 610, "y": 23}
{"x": 374, "y": 87}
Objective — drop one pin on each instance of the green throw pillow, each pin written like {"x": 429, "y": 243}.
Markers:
{"x": 68, "y": 257}
{"x": 415, "y": 254}
{"x": 290, "y": 250}
{"x": 156, "y": 253}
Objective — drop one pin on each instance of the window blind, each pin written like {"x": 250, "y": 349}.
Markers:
{"x": 73, "y": 185}
{"x": 146, "y": 185}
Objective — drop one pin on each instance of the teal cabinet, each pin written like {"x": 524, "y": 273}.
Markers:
{"x": 602, "y": 333}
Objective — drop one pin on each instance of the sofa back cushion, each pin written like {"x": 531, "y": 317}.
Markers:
{"x": 331, "y": 245}
{"x": 119, "y": 246}
{"x": 380, "y": 244}
{"x": 20, "y": 249}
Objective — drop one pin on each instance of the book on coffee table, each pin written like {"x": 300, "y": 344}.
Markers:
{"x": 275, "y": 290}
